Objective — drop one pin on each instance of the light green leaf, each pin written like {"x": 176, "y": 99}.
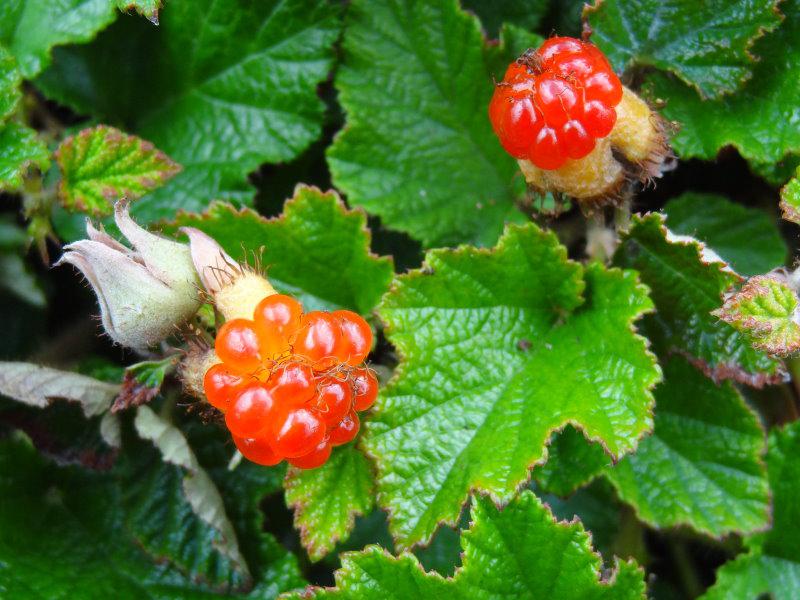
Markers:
{"x": 317, "y": 249}
{"x": 38, "y": 386}
{"x": 146, "y": 8}
{"x": 102, "y": 165}
{"x": 525, "y": 14}
{"x": 415, "y": 82}
{"x": 30, "y": 28}
{"x": 518, "y": 552}
{"x": 790, "y": 200}
{"x": 772, "y": 564}
{"x": 21, "y": 149}
{"x": 10, "y": 80}
{"x": 746, "y": 238}
{"x": 499, "y": 349}
{"x": 220, "y": 87}
{"x": 706, "y": 450}
{"x": 327, "y": 500}
{"x": 687, "y": 281}
{"x": 766, "y": 310}
{"x": 705, "y": 44}
{"x": 760, "y": 119}
{"x": 198, "y": 488}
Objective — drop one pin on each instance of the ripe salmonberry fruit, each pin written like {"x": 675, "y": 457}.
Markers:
{"x": 345, "y": 431}
{"x": 257, "y": 450}
{"x": 555, "y": 102}
{"x": 365, "y": 386}
{"x": 333, "y": 400}
{"x": 317, "y": 339}
{"x": 276, "y": 319}
{"x": 250, "y": 411}
{"x": 292, "y": 384}
{"x": 219, "y": 385}
{"x": 297, "y": 432}
{"x": 316, "y": 458}
{"x": 237, "y": 345}
{"x": 356, "y": 337}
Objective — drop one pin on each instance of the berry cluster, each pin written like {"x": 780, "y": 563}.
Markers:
{"x": 290, "y": 383}
{"x": 553, "y": 103}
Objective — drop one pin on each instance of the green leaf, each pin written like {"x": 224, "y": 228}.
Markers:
{"x": 526, "y": 14}
{"x": 766, "y": 310}
{"x": 759, "y": 120}
{"x": 38, "y": 386}
{"x": 686, "y": 282}
{"x": 415, "y": 82}
{"x": 21, "y": 150}
{"x": 30, "y": 28}
{"x": 317, "y": 249}
{"x": 706, "y": 450}
{"x": 326, "y": 500}
{"x": 220, "y": 87}
{"x": 499, "y": 349}
{"x": 518, "y": 552}
{"x": 706, "y": 44}
{"x": 790, "y": 200}
{"x": 198, "y": 488}
{"x": 17, "y": 278}
{"x": 102, "y": 165}
{"x": 746, "y": 238}
{"x": 571, "y": 463}
{"x": 146, "y": 8}
{"x": 10, "y": 80}
{"x": 772, "y": 564}
{"x": 71, "y": 529}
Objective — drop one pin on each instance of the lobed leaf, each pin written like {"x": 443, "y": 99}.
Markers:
{"x": 415, "y": 82}
{"x": 687, "y": 280}
{"x": 705, "y": 451}
{"x": 746, "y": 238}
{"x": 707, "y": 45}
{"x": 317, "y": 249}
{"x": 500, "y": 349}
{"x": 102, "y": 164}
{"x": 327, "y": 500}
{"x": 520, "y": 551}
{"x": 38, "y": 386}
{"x": 758, "y": 119}
{"x": 772, "y": 563}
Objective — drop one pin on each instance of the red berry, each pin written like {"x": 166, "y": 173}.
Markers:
{"x": 365, "y": 386}
{"x": 219, "y": 384}
{"x": 276, "y": 319}
{"x": 356, "y": 337}
{"x": 257, "y": 450}
{"x": 316, "y": 458}
{"x": 317, "y": 338}
{"x": 251, "y": 411}
{"x": 292, "y": 384}
{"x": 555, "y": 102}
{"x": 237, "y": 345}
{"x": 345, "y": 431}
{"x": 333, "y": 400}
{"x": 297, "y": 432}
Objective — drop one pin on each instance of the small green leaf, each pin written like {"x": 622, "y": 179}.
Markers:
{"x": 21, "y": 150}
{"x": 38, "y": 386}
{"x": 687, "y": 281}
{"x": 146, "y": 8}
{"x": 520, "y": 552}
{"x": 706, "y": 451}
{"x": 317, "y": 249}
{"x": 17, "y": 277}
{"x": 760, "y": 119}
{"x": 772, "y": 563}
{"x": 748, "y": 239}
{"x": 30, "y": 28}
{"x": 220, "y": 87}
{"x": 326, "y": 500}
{"x": 415, "y": 82}
{"x": 705, "y": 44}
{"x": 766, "y": 310}
{"x": 142, "y": 382}
{"x": 499, "y": 349}
{"x": 10, "y": 80}
{"x": 102, "y": 165}
{"x": 790, "y": 200}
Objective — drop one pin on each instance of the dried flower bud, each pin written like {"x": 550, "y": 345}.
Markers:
{"x": 143, "y": 292}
